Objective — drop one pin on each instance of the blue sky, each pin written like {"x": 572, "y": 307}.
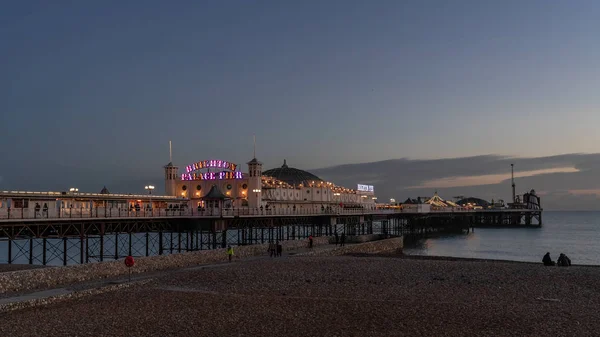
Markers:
{"x": 101, "y": 87}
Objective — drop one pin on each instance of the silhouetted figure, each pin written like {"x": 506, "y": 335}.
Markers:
{"x": 547, "y": 260}
{"x": 272, "y": 249}
{"x": 310, "y": 241}
{"x": 279, "y": 249}
{"x": 337, "y": 239}
{"x": 563, "y": 260}
{"x": 343, "y": 239}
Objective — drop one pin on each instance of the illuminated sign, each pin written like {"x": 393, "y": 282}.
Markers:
{"x": 210, "y": 164}
{"x": 365, "y": 188}
{"x": 223, "y": 175}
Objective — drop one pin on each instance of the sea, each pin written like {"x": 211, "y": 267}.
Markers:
{"x": 576, "y": 234}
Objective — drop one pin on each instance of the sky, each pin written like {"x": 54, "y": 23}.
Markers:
{"x": 92, "y": 92}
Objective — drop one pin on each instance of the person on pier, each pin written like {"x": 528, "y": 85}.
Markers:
{"x": 563, "y": 260}
{"x": 547, "y": 260}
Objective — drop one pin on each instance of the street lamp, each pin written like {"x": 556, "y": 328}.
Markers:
{"x": 149, "y": 188}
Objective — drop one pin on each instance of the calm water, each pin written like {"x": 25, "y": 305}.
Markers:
{"x": 576, "y": 234}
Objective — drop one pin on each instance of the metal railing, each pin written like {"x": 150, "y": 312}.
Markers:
{"x": 114, "y": 212}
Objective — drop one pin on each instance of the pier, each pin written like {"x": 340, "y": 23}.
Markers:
{"x": 97, "y": 234}
{"x": 213, "y": 205}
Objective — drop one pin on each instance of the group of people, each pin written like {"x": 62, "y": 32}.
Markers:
{"x": 275, "y": 249}
{"x": 563, "y": 260}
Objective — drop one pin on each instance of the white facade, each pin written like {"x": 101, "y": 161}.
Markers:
{"x": 254, "y": 190}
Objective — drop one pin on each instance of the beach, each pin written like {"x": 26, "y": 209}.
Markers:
{"x": 363, "y": 295}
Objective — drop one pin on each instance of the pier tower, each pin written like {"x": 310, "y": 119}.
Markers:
{"x": 171, "y": 172}
{"x": 254, "y": 181}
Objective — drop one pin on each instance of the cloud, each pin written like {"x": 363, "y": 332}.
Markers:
{"x": 561, "y": 179}
{"x": 489, "y": 178}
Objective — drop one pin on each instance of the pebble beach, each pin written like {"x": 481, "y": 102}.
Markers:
{"x": 366, "y": 295}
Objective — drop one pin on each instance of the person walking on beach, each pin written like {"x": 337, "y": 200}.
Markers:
{"x": 343, "y": 239}
{"x": 310, "y": 241}
{"x": 279, "y": 248}
{"x": 547, "y": 260}
{"x": 337, "y": 238}
{"x": 230, "y": 252}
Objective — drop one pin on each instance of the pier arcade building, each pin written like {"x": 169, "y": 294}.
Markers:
{"x": 212, "y": 183}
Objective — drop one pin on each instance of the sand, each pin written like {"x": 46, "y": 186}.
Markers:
{"x": 337, "y": 296}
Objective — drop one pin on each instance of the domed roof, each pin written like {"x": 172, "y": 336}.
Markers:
{"x": 290, "y": 175}
{"x": 473, "y": 201}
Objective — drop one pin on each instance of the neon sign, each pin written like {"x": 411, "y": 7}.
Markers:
{"x": 191, "y": 173}
{"x": 210, "y": 164}
{"x": 223, "y": 175}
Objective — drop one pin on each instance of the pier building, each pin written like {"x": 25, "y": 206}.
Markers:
{"x": 218, "y": 183}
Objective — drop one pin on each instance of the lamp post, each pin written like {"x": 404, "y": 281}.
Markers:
{"x": 149, "y": 188}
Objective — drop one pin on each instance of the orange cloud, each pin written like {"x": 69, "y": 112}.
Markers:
{"x": 585, "y": 192}
{"x": 488, "y": 179}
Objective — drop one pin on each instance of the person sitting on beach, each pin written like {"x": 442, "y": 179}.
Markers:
{"x": 547, "y": 260}
{"x": 563, "y": 261}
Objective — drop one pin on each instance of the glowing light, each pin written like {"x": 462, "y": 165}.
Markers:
{"x": 223, "y": 175}
{"x": 209, "y": 164}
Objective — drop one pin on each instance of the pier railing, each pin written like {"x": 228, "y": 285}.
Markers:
{"x": 100, "y": 212}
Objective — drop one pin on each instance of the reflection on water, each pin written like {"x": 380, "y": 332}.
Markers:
{"x": 576, "y": 234}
